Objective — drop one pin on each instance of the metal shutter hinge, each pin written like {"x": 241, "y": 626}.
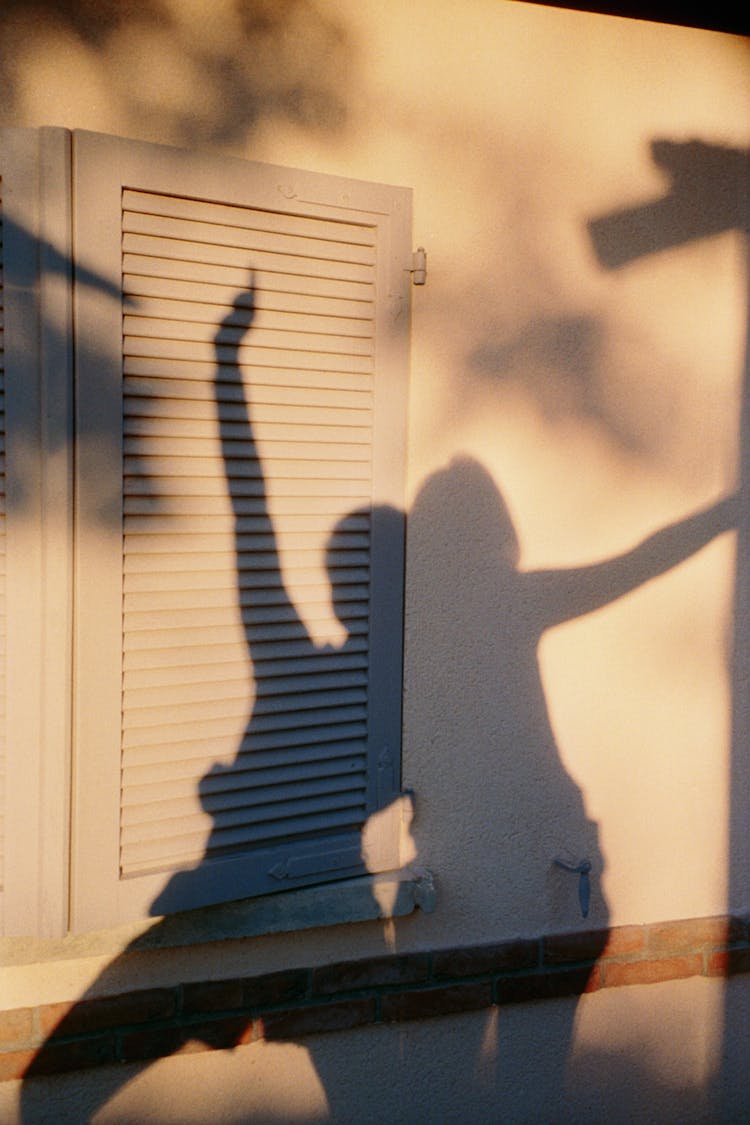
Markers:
{"x": 418, "y": 269}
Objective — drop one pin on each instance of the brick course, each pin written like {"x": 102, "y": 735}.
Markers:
{"x": 209, "y": 1015}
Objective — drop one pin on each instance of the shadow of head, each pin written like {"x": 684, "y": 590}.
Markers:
{"x": 362, "y": 540}
{"x": 460, "y": 518}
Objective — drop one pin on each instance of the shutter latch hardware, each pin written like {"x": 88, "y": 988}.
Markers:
{"x": 418, "y": 269}
{"x": 582, "y": 870}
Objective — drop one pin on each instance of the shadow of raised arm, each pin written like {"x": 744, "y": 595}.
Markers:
{"x": 561, "y": 595}
{"x": 243, "y": 468}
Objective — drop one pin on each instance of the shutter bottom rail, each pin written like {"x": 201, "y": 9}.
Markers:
{"x": 288, "y": 1005}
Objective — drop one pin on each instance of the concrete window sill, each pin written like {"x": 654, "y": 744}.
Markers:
{"x": 371, "y": 897}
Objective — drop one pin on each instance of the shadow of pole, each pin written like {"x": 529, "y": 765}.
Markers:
{"x": 709, "y": 194}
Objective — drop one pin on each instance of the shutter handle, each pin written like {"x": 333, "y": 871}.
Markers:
{"x": 582, "y": 870}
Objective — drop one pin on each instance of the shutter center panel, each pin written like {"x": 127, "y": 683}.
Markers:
{"x": 247, "y": 494}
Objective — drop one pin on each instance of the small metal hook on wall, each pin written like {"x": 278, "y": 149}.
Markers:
{"x": 582, "y": 870}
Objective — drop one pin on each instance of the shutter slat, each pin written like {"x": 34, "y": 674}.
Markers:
{"x": 281, "y": 616}
{"x": 169, "y": 379}
{"x": 210, "y": 231}
{"x": 221, "y": 631}
{"x": 144, "y": 797}
{"x": 235, "y": 276}
{"x": 290, "y": 508}
{"x": 232, "y": 700}
{"x": 252, "y": 541}
{"x": 146, "y": 581}
{"x": 241, "y": 808}
{"x": 318, "y": 741}
{"x": 319, "y": 488}
{"x": 197, "y": 351}
{"x": 173, "y": 852}
{"x": 173, "y": 292}
{"x": 249, "y": 560}
{"x": 163, "y": 445}
{"x": 209, "y": 523}
{"x": 301, "y": 339}
{"x": 195, "y": 209}
{"x": 246, "y": 807}
{"x": 302, "y": 758}
{"x": 233, "y": 664}
{"x": 214, "y": 650}
{"x": 290, "y": 470}
{"x": 137, "y": 699}
{"x": 188, "y": 422}
{"x": 293, "y": 320}
{"x": 253, "y": 824}
{"x": 307, "y": 725}
{"x": 240, "y": 256}
{"x": 262, "y": 601}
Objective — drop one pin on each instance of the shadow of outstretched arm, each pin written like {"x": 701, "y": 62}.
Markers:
{"x": 561, "y": 595}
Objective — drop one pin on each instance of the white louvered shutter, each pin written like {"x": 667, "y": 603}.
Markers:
{"x": 244, "y": 401}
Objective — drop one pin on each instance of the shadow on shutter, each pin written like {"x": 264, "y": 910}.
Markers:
{"x": 257, "y": 677}
{"x": 217, "y": 533}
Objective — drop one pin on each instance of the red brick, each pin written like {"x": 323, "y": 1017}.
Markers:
{"x": 624, "y": 940}
{"x": 16, "y": 1027}
{"x": 14, "y": 1064}
{"x": 445, "y": 1000}
{"x": 228, "y": 1031}
{"x": 206, "y": 1035}
{"x": 294, "y": 1023}
{"x": 212, "y": 996}
{"x": 591, "y": 945}
{"x": 107, "y": 1011}
{"x": 728, "y": 962}
{"x": 547, "y": 984}
{"x": 652, "y": 971}
{"x": 275, "y": 988}
{"x": 79, "y": 1054}
{"x": 693, "y": 933}
{"x": 479, "y": 960}
{"x": 350, "y": 976}
{"x": 150, "y": 1043}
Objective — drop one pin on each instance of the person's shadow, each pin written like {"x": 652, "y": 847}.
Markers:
{"x": 481, "y": 619}
{"x": 474, "y": 626}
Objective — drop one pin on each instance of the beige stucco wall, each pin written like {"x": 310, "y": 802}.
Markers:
{"x": 572, "y": 408}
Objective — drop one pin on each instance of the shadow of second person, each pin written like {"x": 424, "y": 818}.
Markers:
{"x": 476, "y": 700}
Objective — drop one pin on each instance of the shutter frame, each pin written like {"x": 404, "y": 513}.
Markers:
{"x": 35, "y": 169}
{"x": 103, "y": 168}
